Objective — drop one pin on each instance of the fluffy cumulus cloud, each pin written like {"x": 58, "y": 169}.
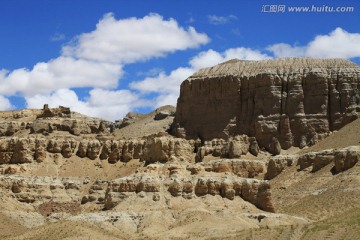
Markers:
{"x": 95, "y": 60}
{"x": 134, "y": 39}
{"x": 166, "y": 86}
{"x": 337, "y": 44}
{"x": 62, "y": 72}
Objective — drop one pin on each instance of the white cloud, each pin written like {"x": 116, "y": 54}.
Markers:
{"x": 5, "y": 104}
{"x": 167, "y": 99}
{"x": 219, "y": 20}
{"x": 211, "y": 57}
{"x": 286, "y": 50}
{"x": 95, "y": 60}
{"x": 167, "y": 87}
{"x": 337, "y": 44}
{"x": 110, "y": 105}
{"x": 62, "y": 72}
{"x": 206, "y": 59}
{"x": 163, "y": 83}
{"x": 134, "y": 39}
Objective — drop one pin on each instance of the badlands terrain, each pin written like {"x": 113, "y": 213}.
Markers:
{"x": 253, "y": 150}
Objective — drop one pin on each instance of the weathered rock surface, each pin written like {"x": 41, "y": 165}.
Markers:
{"x": 152, "y": 149}
{"x": 346, "y": 158}
{"x": 61, "y": 111}
{"x": 41, "y": 189}
{"x": 48, "y": 120}
{"x": 9, "y": 128}
{"x": 164, "y": 113}
{"x": 130, "y": 118}
{"x": 343, "y": 158}
{"x": 296, "y": 100}
{"x": 254, "y": 191}
{"x": 163, "y": 149}
{"x": 278, "y": 163}
{"x": 157, "y": 181}
{"x": 233, "y": 147}
{"x": 239, "y": 167}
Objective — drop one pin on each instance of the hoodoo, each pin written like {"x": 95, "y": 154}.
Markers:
{"x": 298, "y": 101}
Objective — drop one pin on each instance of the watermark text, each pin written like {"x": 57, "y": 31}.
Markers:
{"x": 273, "y": 8}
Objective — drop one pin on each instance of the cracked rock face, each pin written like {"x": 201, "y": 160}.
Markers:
{"x": 298, "y": 101}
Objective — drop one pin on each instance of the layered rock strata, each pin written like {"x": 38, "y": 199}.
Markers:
{"x": 343, "y": 159}
{"x": 254, "y": 191}
{"x": 49, "y": 120}
{"x": 168, "y": 184}
{"x": 159, "y": 147}
{"x": 152, "y": 149}
{"x": 296, "y": 100}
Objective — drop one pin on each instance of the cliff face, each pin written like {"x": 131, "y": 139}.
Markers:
{"x": 296, "y": 100}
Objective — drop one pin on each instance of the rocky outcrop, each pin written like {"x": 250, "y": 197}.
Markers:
{"x": 49, "y": 120}
{"x": 277, "y": 164}
{"x": 61, "y": 111}
{"x": 254, "y": 191}
{"x": 164, "y": 112}
{"x": 163, "y": 149}
{"x": 119, "y": 188}
{"x": 96, "y": 192}
{"x": 239, "y": 167}
{"x": 151, "y": 149}
{"x": 296, "y": 100}
{"x": 41, "y": 189}
{"x": 73, "y": 126}
{"x": 129, "y": 118}
{"x": 9, "y": 128}
{"x": 343, "y": 159}
{"x": 233, "y": 147}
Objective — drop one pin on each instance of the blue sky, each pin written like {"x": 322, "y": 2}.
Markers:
{"x": 106, "y": 58}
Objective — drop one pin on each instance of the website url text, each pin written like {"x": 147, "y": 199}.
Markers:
{"x": 307, "y": 9}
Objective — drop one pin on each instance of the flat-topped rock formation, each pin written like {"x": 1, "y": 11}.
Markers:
{"x": 297, "y": 100}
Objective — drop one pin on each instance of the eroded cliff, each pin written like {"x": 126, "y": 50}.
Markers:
{"x": 297, "y": 100}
